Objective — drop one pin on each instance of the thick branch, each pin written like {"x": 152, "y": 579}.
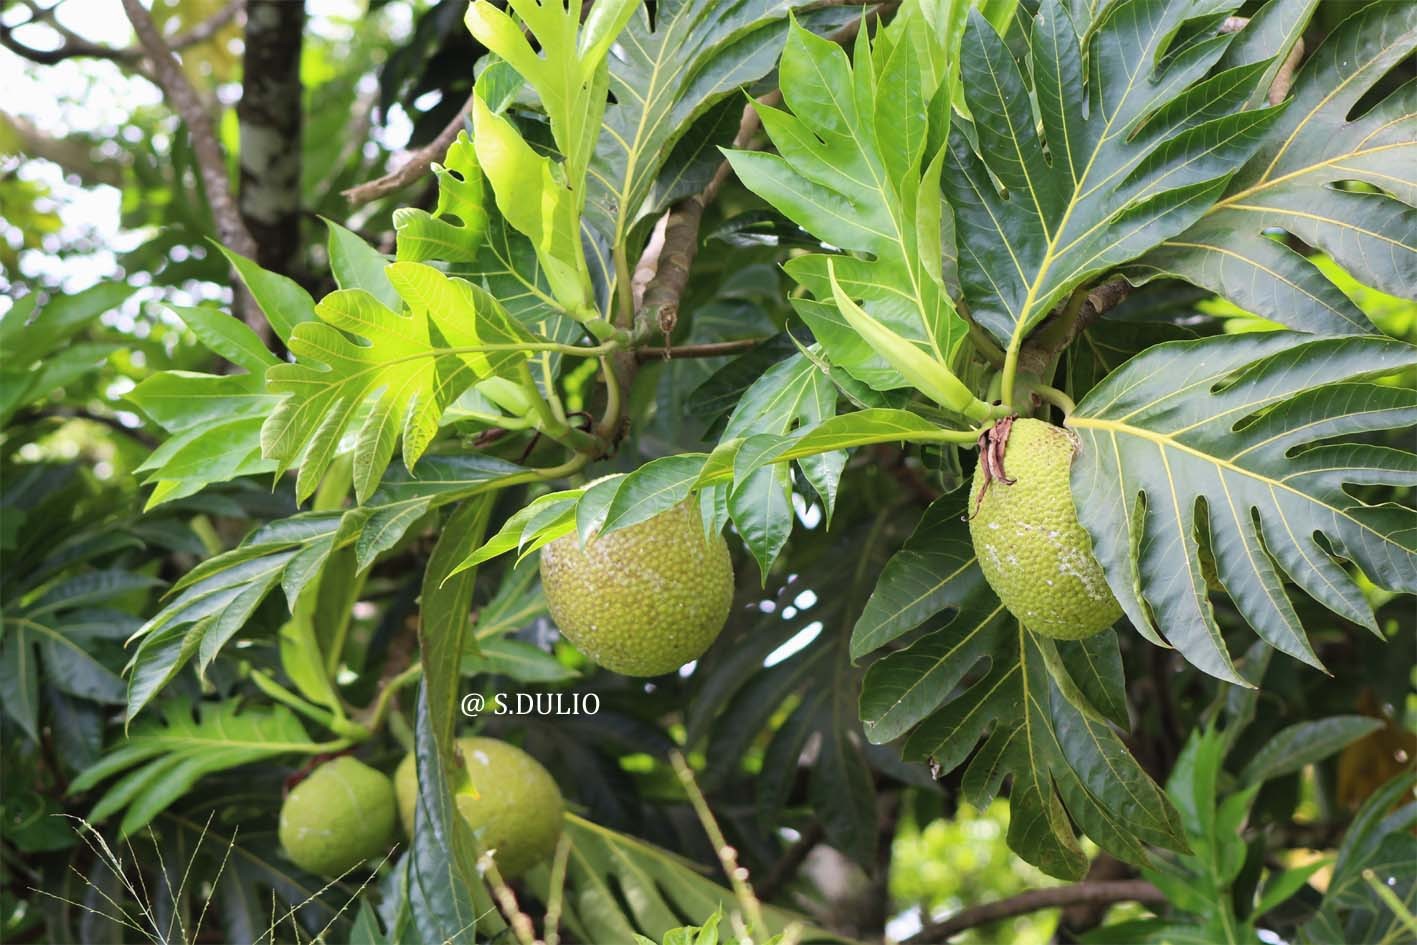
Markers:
{"x": 75, "y": 46}
{"x": 269, "y": 117}
{"x": 1064, "y": 326}
{"x": 183, "y": 98}
{"x": 417, "y": 164}
{"x": 1096, "y": 893}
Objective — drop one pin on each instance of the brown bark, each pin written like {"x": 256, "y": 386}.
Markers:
{"x": 269, "y": 116}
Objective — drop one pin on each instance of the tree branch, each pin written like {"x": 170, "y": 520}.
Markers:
{"x": 672, "y": 258}
{"x": 675, "y": 255}
{"x": 417, "y": 164}
{"x": 1065, "y": 325}
{"x": 1096, "y": 893}
{"x": 711, "y": 349}
{"x": 73, "y": 153}
{"x": 75, "y": 45}
{"x": 791, "y": 861}
{"x": 212, "y": 163}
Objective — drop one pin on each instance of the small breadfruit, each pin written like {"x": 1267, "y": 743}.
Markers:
{"x": 339, "y": 816}
{"x": 511, "y": 802}
{"x": 1033, "y": 551}
{"x": 644, "y": 600}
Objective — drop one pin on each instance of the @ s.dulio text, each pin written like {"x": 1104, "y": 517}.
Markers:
{"x": 528, "y": 703}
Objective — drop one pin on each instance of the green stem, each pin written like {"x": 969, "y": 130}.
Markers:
{"x": 611, "y": 418}
{"x": 574, "y": 464}
{"x": 961, "y": 437}
{"x": 549, "y": 424}
{"x": 1055, "y": 397}
{"x": 318, "y": 714}
{"x": 1010, "y": 369}
{"x": 381, "y": 705}
{"x": 985, "y": 345}
{"x": 624, "y": 289}
{"x": 727, "y": 855}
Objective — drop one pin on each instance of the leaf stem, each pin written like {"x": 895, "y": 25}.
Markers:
{"x": 349, "y": 730}
{"x": 611, "y": 418}
{"x": 960, "y": 437}
{"x": 386, "y": 694}
{"x": 578, "y": 351}
{"x": 572, "y": 465}
{"x": 624, "y": 289}
{"x": 985, "y": 345}
{"x": 1055, "y": 397}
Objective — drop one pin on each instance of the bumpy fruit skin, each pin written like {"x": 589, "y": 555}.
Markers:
{"x": 341, "y": 815}
{"x": 644, "y": 600}
{"x": 516, "y": 810}
{"x": 1033, "y": 551}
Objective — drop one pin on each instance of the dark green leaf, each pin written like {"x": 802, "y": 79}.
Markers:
{"x": 1294, "y": 183}
{"x": 1138, "y": 144}
{"x": 1215, "y": 435}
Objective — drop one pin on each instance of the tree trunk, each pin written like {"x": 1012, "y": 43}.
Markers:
{"x": 270, "y": 120}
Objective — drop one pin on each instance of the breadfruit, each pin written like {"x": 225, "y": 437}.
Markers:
{"x": 511, "y": 802}
{"x": 1033, "y": 551}
{"x": 341, "y": 815}
{"x": 644, "y": 600}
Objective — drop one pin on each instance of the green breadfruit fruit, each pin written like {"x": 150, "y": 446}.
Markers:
{"x": 341, "y": 815}
{"x": 511, "y": 802}
{"x": 644, "y": 600}
{"x": 1033, "y": 551}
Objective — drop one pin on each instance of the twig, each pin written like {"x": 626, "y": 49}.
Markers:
{"x": 727, "y": 856}
{"x": 75, "y": 45}
{"x": 1097, "y": 893}
{"x": 417, "y": 164}
{"x": 519, "y": 921}
{"x": 791, "y": 861}
{"x": 184, "y": 99}
{"x": 660, "y": 306}
{"x": 711, "y": 349}
{"x": 672, "y": 258}
{"x": 551, "y": 922}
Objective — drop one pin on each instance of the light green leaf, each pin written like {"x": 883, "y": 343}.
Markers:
{"x": 924, "y": 373}
{"x": 455, "y": 230}
{"x": 872, "y": 195}
{"x": 282, "y": 299}
{"x": 357, "y": 265}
